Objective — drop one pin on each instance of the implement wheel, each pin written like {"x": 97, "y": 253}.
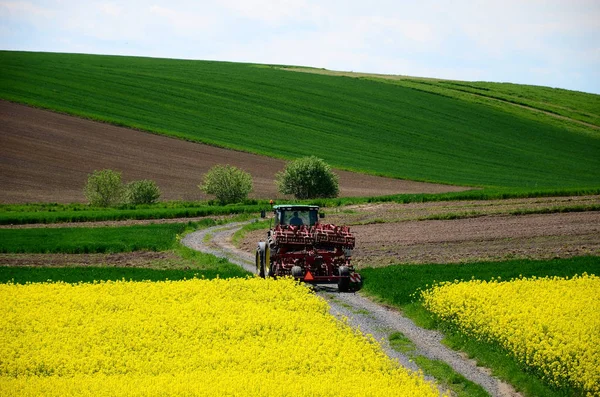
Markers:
{"x": 344, "y": 282}
{"x": 297, "y": 272}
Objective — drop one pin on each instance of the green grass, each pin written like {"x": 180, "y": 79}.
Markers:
{"x": 399, "y": 286}
{"x": 11, "y": 214}
{"x": 443, "y": 373}
{"x": 22, "y": 275}
{"x": 357, "y": 124}
{"x": 522, "y": 100}
{"x": 90, "y": 240}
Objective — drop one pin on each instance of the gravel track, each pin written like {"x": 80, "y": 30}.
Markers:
{"x": 361, "y": 313}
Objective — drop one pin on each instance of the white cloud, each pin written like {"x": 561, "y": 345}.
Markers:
{"x": 111, "y": 9}
{"x": 276, "y": 12}
{"x": 25, "y": 9}
{"x": 462, "y": 39}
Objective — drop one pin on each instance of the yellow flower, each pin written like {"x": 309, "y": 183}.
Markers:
{"x": 243, "y": 337}
{"x": 550, "y": 324}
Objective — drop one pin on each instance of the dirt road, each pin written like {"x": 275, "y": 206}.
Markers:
{"x": 361, "y": 313}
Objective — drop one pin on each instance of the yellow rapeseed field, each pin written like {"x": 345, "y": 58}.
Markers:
{"x": 236, "y": 337}
{"x": 550, "y": 324}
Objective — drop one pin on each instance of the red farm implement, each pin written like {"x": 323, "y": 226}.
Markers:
{"x": 301, "y": 247}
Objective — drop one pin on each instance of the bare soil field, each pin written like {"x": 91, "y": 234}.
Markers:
{"x": 394, "y": 212}
{"x": 394, "y": 233}
{"x": 156, "y": 260}
{"x": 46, "y": 157}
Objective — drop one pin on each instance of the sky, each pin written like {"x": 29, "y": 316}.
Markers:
{"x": 553, "y": 43}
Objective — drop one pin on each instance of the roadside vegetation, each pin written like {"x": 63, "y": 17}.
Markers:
{"x": 401, "y": 285}
{"x": 355, "y": 124}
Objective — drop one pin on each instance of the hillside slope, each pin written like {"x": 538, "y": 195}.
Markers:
{"x": 356, "y": 124}
{"x": 47, "y": 157}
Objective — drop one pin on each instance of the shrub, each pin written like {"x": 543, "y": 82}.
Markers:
{"x": 142, "y": 192}
{"x": 307, "y": 178}
{"x": 228, "y": 183}
{"x": 104, "y": 188}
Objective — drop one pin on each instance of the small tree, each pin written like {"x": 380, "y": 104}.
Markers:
{"x": 307, "y": 178}
{"x": 228, "y": 183}
{"x": 142, "y": 192}
{"x": 104, "y": 188}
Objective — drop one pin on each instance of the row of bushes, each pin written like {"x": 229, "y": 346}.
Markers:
{"x": 305, "y": 178}
{"x": 104, "y": 189}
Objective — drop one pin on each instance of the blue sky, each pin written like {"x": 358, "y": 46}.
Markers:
{"x": 553, "y": 43}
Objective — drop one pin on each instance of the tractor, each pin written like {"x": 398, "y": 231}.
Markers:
{"x": 302, "y": 247}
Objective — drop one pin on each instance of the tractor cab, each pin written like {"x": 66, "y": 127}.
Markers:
{"x": 296, "y": 215}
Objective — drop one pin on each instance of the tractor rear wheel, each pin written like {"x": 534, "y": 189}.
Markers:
{"x": 263, "y": 261}
{"x": 269, "y": 271}
{"x": 260, "y": 267}
{"x": 344, "y": 281}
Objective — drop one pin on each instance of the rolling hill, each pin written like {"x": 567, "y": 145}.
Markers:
{"x": 476, "y": 134}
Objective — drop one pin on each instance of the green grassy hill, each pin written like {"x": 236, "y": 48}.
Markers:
{"x": 450, "y": 132}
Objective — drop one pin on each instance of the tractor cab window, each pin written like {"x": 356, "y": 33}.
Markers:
{"x": 298, "y": 217}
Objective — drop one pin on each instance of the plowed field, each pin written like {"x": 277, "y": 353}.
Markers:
{"x": 46, "y": 157}
{"x": 401, "y": 233}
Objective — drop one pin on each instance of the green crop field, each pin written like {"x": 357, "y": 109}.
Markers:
{"x": 421, "y": 131}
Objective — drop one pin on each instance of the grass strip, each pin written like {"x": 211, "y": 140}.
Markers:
{"x": 399, "y": 285}
{"x": 192, "y": 264}
{"x": 90, "y": 240}
{"x": 66, "y": 214}
{"x": 11, "y": 214}
{"x": 22, "y": 275}
{"x": 445, "y": 375}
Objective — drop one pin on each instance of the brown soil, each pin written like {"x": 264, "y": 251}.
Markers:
{"x": 475, "y": 239}
{"x": 403, "y": 238}
{"x": 394, "y": 212}
{"x": 46, "y": 157}
{"x": 155, "y": 260}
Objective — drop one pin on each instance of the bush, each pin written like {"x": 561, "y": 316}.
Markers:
{"x": 142, "y": 192}
{"x": 307, "y": 178}
{"x": 104, "y": 188}
{"x": 228, "y": 183}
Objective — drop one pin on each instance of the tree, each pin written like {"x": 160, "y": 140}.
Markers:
{"x": 104, "y": 188}
{"x": 307, "y": 178}
{"x": 142, "y": 192}
{"x": 228, "y": 183}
